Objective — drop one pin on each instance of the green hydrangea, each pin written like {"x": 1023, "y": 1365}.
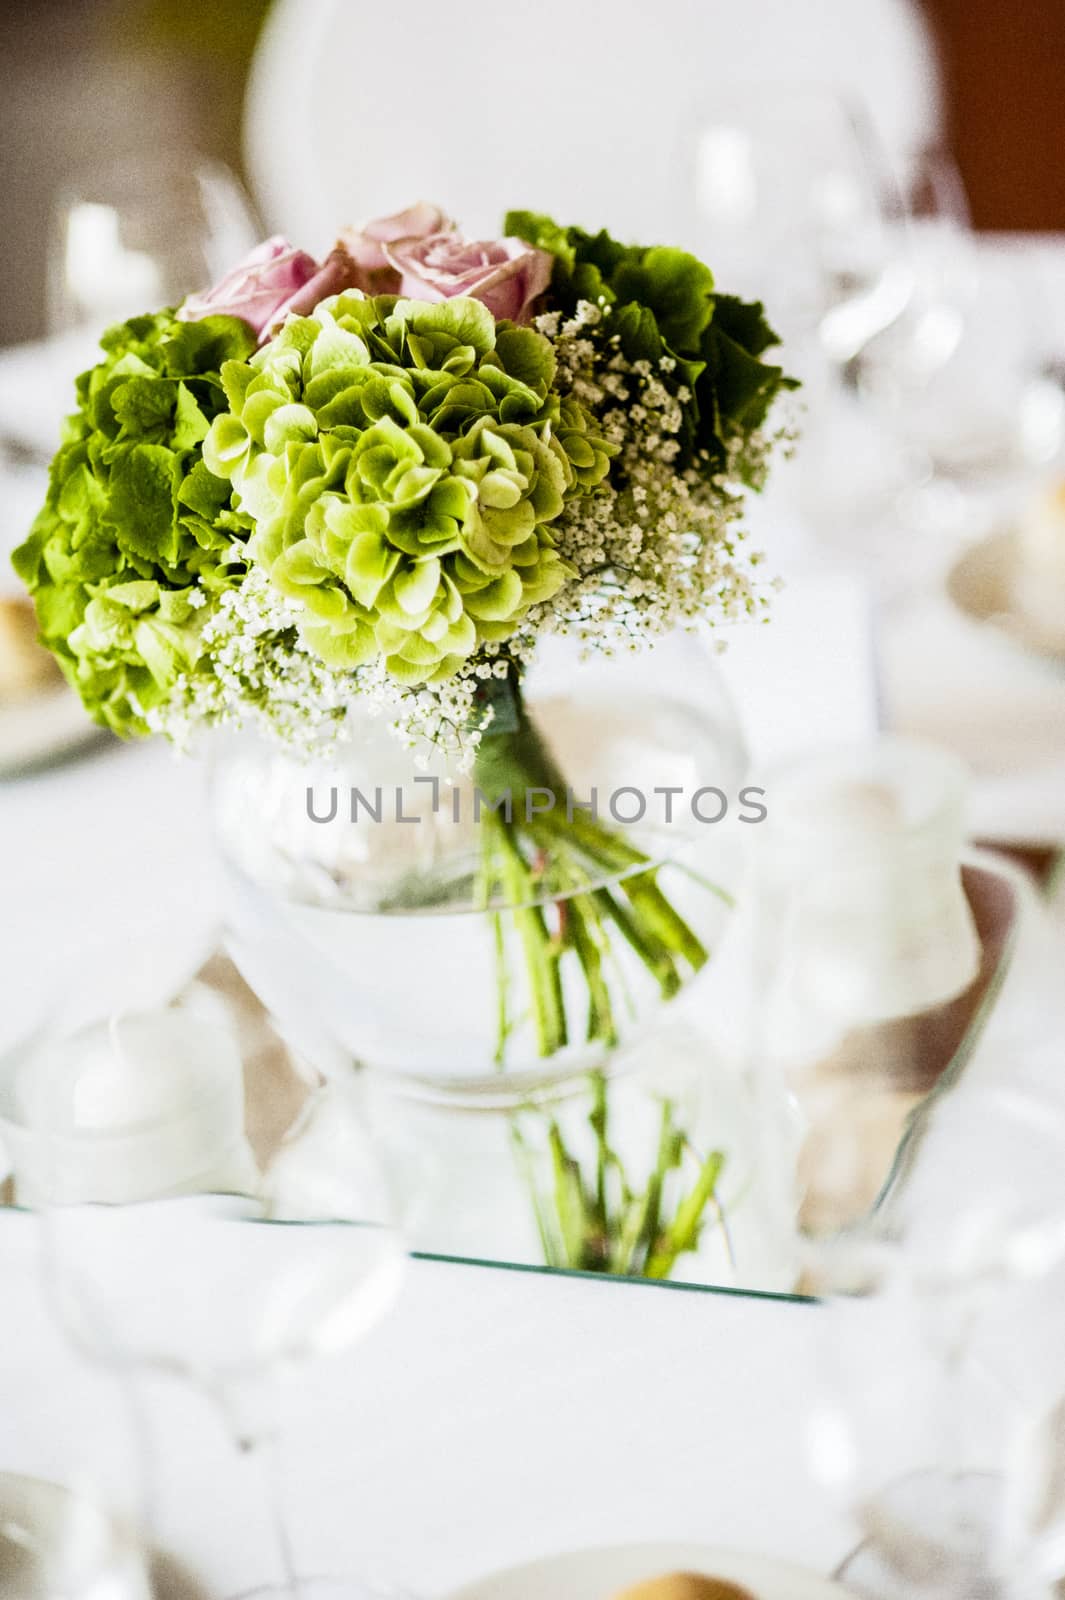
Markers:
{"x": 664, "y": 301}
{"x": 403, "y": 463}
{"x": 136, "y": 535}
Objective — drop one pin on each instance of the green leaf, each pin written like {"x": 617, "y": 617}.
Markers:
{"x": 144, "y": 483}
{"x": 637, "y": 328}
{"x": 744, "y": 387}
{"x": 541, "y": 232}
{"x": 745, "y": 322}
{"x": 80, "y": 495}
{"x": 144, "y": 406}
{"x": 226, "y": 444}
{"x": 236, "y": 376}
{"x": 190, "y": 424}
{"x": 335, "y": 347}
{"x": 128, "y": 335}
{"x": 676, "y": 286}
{"x": 602, "y": 251}
{"x": 203, "y": 346}
{"x": 203, "y": 493}
{"x": 60, "y": 610}
{"x": 415, "y": 586}
{"x": 161, "y": 647}
{"x": 27, "y": 557}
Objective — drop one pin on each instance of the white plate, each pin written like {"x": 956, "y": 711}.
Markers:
{"x": 302, "y": 120}
{"x": 981, "y": 586}
{"x": 601, "y": 1574}
{"x": 43, "y": 728}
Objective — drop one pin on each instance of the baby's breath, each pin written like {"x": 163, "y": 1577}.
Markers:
{"x": 661, "y": 545}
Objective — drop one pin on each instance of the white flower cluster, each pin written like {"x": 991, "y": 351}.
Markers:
{"x": 256, "y": 671}
{"x": 660, "y": 546}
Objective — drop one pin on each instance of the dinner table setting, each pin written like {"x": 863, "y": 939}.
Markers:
{"x": 532, "y": 828}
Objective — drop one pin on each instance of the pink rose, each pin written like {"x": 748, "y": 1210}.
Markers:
{"x": 366, "y": 245}
{"x": 506, "y": 275}
{"x": 273, "y": 280}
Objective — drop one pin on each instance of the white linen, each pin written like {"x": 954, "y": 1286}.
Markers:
{"x": 494, "y": 1416}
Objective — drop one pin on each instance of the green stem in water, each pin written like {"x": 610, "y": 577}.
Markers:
{"x": 590, "y": 1220}
{"x": 647, "y": 899}
{"x": 683, "y": 1232}
{"x": 650, "y": 949}
{"x": 540, "y": 950}
{"x": 598, "y": 1223}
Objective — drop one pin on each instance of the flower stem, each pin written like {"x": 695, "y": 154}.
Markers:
{"x": 564, "y": 883}
{"x": 571, "y": 852}
{"x": 541, "y": 954}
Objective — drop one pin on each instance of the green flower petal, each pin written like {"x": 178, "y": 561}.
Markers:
{"x": 396, "y": 456}
{"x": 416, "y": 587}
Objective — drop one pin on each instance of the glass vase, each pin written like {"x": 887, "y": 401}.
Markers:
{"x": 526, "y": 912}
{"x": 646, "y": 1166}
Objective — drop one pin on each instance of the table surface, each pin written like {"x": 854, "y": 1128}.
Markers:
{"x": 496, "y": 1415}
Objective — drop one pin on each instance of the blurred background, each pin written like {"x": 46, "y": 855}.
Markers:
{"x": 86, "y": 80}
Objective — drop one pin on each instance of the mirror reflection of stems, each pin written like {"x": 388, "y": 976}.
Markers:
{"x": 590, "y": 1216}
{"x": 570, "y": 885}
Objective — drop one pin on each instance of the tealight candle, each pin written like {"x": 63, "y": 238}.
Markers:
{"x": 134, "y": 1109}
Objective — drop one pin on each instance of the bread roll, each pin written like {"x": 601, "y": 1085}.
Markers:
{"x": 685, "y": 1586}
{"x": 25, "y": 666}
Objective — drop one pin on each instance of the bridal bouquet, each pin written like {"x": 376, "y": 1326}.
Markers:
{"x": 387, "y": 475}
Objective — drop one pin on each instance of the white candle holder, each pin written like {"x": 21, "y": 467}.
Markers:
{"x": 141, "y": 1107}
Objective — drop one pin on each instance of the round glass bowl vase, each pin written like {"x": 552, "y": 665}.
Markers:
{"x": 651, "y": 1166}
{"x": 524, "y": 917}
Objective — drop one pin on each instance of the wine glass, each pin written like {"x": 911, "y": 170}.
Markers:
{"x": 794, "y": 204}
{"x": 917, "y": 1426}
{"x": 144, "y": 233}
{"x": 212, "y": 1291}
{"x": 852, "y": 948}
{"x": 960, "y": 383}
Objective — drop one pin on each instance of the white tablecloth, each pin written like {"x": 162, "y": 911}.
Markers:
{"x": 496, "y": 1415}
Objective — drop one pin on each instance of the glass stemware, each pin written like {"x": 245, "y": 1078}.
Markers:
{"x": 211, "y": 1291}
{"x": 944, "y": 1453}
{"x": 143, "y": 233}
{"x": 794, "y": 202}
{"x": 853, "y": 966}
{"x": 960, "y": 387}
